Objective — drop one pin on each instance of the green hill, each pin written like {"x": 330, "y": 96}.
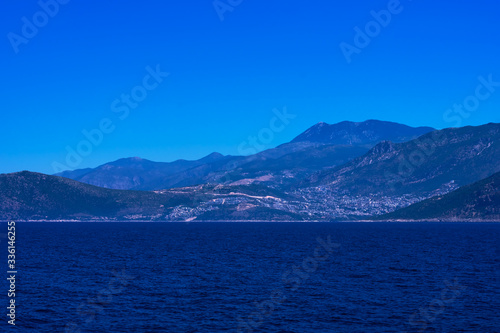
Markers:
{"x": 480, "y": 200}
{"x": 28, "y": 195}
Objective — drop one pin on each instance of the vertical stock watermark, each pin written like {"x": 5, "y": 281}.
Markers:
{"x": 30, "y": 27}
{"x": 11, "y": 272}
{"x": 122, "y": 107}
{"x": 428, "y": 314}
{"x": 291, "y": 280}
{"x": 372, "y": 29}
{"x": 89, "y": 310}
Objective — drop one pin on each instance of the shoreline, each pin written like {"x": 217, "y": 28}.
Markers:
{"x": 254, "y": 221}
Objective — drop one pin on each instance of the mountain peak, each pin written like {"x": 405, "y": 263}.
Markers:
{"x": 127, "y": 161}
{"x": 367, "y": 132}
{"x": 212, "y": 157}
{"x": 215, "y": 154}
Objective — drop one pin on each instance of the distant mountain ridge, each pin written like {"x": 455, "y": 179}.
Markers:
{"x": 134, "y": 172}
{"x": 321, "y": 146}
{"x": 359, "y": 133}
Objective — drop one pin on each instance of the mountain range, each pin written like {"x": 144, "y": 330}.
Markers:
{"x": 453, "y": 156}
{"x": 344, "y": 171}
{"x": 320, "y": 147}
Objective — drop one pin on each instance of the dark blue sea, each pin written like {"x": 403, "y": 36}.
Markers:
{"x": 255, "y": 277}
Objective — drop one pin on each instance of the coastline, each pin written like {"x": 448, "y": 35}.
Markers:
{"x": 255, "y": 221}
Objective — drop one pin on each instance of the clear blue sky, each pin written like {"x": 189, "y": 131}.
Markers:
{"x": 226, "y": 77}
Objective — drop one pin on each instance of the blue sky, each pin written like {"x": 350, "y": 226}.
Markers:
{"x": 225, "y": 77}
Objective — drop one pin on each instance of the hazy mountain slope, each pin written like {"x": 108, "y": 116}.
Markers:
{"x": 290, "y": 168}
{"x": 130, "y": 173}
{"x": 201, "y": 174}
{"x": 451, "y": 157}
{"x": 260, "y": 167}
{"x": 73, "y": 174}
{"x": 480, "y": 200}
{"x": 311, "y": 159}
{"x": 367, "y": 132}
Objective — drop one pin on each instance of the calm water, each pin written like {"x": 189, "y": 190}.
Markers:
{"x": 273, "y": 277}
